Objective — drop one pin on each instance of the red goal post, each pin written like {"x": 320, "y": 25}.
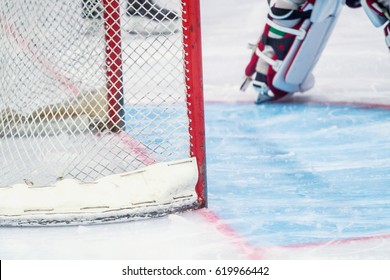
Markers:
{"x": 101, "y": 119}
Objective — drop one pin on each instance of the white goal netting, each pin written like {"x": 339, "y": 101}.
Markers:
{"x": 89, "y": 90}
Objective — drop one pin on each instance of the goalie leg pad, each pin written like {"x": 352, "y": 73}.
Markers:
{"x": 387, "y": 35}
{"x": 295, "y": 71}
{"x": 378, "y": 11}
{"x": 293, "y": 39}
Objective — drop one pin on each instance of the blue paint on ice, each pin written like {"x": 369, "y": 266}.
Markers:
{"x": 299, "y": 173}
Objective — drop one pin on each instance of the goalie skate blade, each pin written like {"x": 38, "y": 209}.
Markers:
{"x": 261, "y": 98}
{"x": 245, "y": 84}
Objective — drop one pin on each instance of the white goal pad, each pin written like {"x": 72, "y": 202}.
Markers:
{"x": 148, "y": 192}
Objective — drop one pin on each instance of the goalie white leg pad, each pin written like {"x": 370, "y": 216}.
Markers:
{"x": 377, "y": 11}
{"x": 387, "y": 35}
{"x": 294, "y": 72}
{"x": 323, "y": 9}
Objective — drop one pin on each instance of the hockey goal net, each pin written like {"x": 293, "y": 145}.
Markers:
{"x": 101, "y": 110}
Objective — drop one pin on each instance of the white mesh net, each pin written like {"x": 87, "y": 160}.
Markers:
{"x": 61, "y": 99}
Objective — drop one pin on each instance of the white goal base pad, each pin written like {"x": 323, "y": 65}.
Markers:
{"x": 154, "y": 191}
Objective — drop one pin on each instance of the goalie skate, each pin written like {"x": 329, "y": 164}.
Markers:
{"x": 264, "y": 94}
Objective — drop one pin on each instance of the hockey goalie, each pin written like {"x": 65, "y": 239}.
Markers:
{"x": 294, "y": 36}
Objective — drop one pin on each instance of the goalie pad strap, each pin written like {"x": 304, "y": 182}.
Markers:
{"x": 273, "y": 62}
{"x": 300, "y": 33}
{"x": 279, "y": 13}
{"x": 280, "y": 45}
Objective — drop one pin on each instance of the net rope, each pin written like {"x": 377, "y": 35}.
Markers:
{"x": 53, "y": 91}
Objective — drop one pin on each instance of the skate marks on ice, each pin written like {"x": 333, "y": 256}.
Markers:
{"x": 284, "y": 175}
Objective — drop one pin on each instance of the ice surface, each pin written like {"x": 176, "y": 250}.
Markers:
{"x": 306, "y": 179}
